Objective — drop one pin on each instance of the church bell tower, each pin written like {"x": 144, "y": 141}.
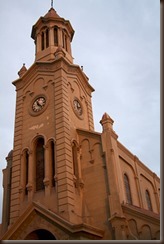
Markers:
{"x": 53, "y": 100}
{"x": 63, "y": 180}
{"x": 52, "y": 33}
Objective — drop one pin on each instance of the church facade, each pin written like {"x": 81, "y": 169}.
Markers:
{"x": 64, "y": 180}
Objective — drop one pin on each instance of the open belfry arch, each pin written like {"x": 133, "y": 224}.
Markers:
{"x": 63, "y": 180}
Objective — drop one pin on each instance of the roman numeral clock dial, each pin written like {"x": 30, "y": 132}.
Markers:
{"x": 77, "y": 107}
{"x": 39, "y": 104}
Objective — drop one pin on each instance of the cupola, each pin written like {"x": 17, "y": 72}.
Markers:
{"x": 50, "y": 33}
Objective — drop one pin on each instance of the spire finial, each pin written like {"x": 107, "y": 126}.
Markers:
{"x": 52, "y": 3}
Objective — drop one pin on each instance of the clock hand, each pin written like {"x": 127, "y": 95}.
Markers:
{"x": 38, "y": 103}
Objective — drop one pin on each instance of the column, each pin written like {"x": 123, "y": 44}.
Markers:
{"x": 31, "y": 171}
{"x": 81, "y": 183}
{"x": 51, "y": 36}
{"x": 22, "y": 178}
{"x": 60, "y": 38}
{"x": 136, "y": 160}
{"x": 38, "y": 43}
{"x": 47, "y": 170}
{"x": 109, "y": 144}
{"x": 65, "y": 186}
{"x": 156, "y": 193}
{"x": 69, "y": 46}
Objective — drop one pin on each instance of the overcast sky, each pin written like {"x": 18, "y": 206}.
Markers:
{"x": 117, "y": 43}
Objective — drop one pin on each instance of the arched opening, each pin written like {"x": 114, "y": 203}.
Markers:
{"x": 55, "y": 36}
{"x": 26, "y": 158}
{"x": 40, "y": 234}
{"x": 145, "y": 233}
{"x": 42, "y": 40}
{"x": 66, "y": 43}
{"x": 64, "y": 37}
{"x": 127, "y": 189}
{"x": 148, "y": 200}
{"x": 133, "y": 228}
{"x": 74, "y": 155}
{"x": 52, "y": 160}
{"x": 47, "y": 38}
{"x": 39, "y": 154}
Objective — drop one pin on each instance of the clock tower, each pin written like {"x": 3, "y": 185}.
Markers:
{"x": 53, "y": 100}
{"x": 63, "y": 180}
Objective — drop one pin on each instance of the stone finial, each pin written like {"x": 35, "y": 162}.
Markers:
{"x": 9, "y": 158}
{"x": 106, "y": 122}
{"x": 10, "y": 155}
{"x": 51, "y": 14}
{"x": 22, "y": 71}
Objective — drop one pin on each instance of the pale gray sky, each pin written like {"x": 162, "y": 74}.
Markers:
{"x": 117, "y": 43}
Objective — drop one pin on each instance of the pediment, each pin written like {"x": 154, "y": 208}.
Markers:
{"x": 36, "y": 216}
{"x": 35, "y": 72}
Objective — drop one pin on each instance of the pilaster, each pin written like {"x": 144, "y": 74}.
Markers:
{"x": 156, "y": 193}
{"x": 22, "y": 178}
{"x": 15, "y": 184}
{"x": 109, "y": 144}
{"x": 112, "y": 168}
{"x": 6, "y": 194}
{"x": 120, "y": 227}
{"x": 90, "y": 116}
{"x": 30, "y": 185}
{"x": 65, "y": 186}
{"x": 47, "y": 172}
{"x": 137, "y": 182}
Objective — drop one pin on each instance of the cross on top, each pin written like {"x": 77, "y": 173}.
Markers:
{"x": 52, "y": 3}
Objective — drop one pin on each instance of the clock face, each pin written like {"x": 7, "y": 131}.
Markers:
{"x": 38, "y": 104}
{"x": 77, "y": 107}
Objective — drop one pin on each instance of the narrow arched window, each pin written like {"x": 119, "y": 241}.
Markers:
{"x": 55, "y": 36}
{"x": 66, "y": 43}
{"x": 47, "y": 38}
{"x": 127, "y": 189}
{"x": 63, "y": 37}
{"x": 26, "y": 158}
{"x": 148, "y": 200}
{"x": 39, "y": 164}
{"x": 52, "y": 158}
{"x": 75, "y": 161}
{"x": 42, "y": 40}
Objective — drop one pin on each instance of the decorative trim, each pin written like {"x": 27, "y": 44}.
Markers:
{"x": 141, "y": 213}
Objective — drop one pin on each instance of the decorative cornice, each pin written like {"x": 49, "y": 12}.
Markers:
{"x": 135, "y": 159}
{"x": 141, "y": 213}
{"x": 86, "y": 132}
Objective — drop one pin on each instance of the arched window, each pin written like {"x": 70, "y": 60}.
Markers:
{"x": 64, "y": 36}
{"x": 39, "y": 164}
{"x": 66, "y": 43}
{"x": 47, "y": 38}
{"x": 56, "y": 36}
{"x": 75, "y": 162}
{"x": 52, "y": 159}
{"x": 63, "y": 39}
{"x": 26, "y": 158}
{"x": 127, "y": 189}
{"x": 148, "y": 200}
{"x": 42, "y": 40}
